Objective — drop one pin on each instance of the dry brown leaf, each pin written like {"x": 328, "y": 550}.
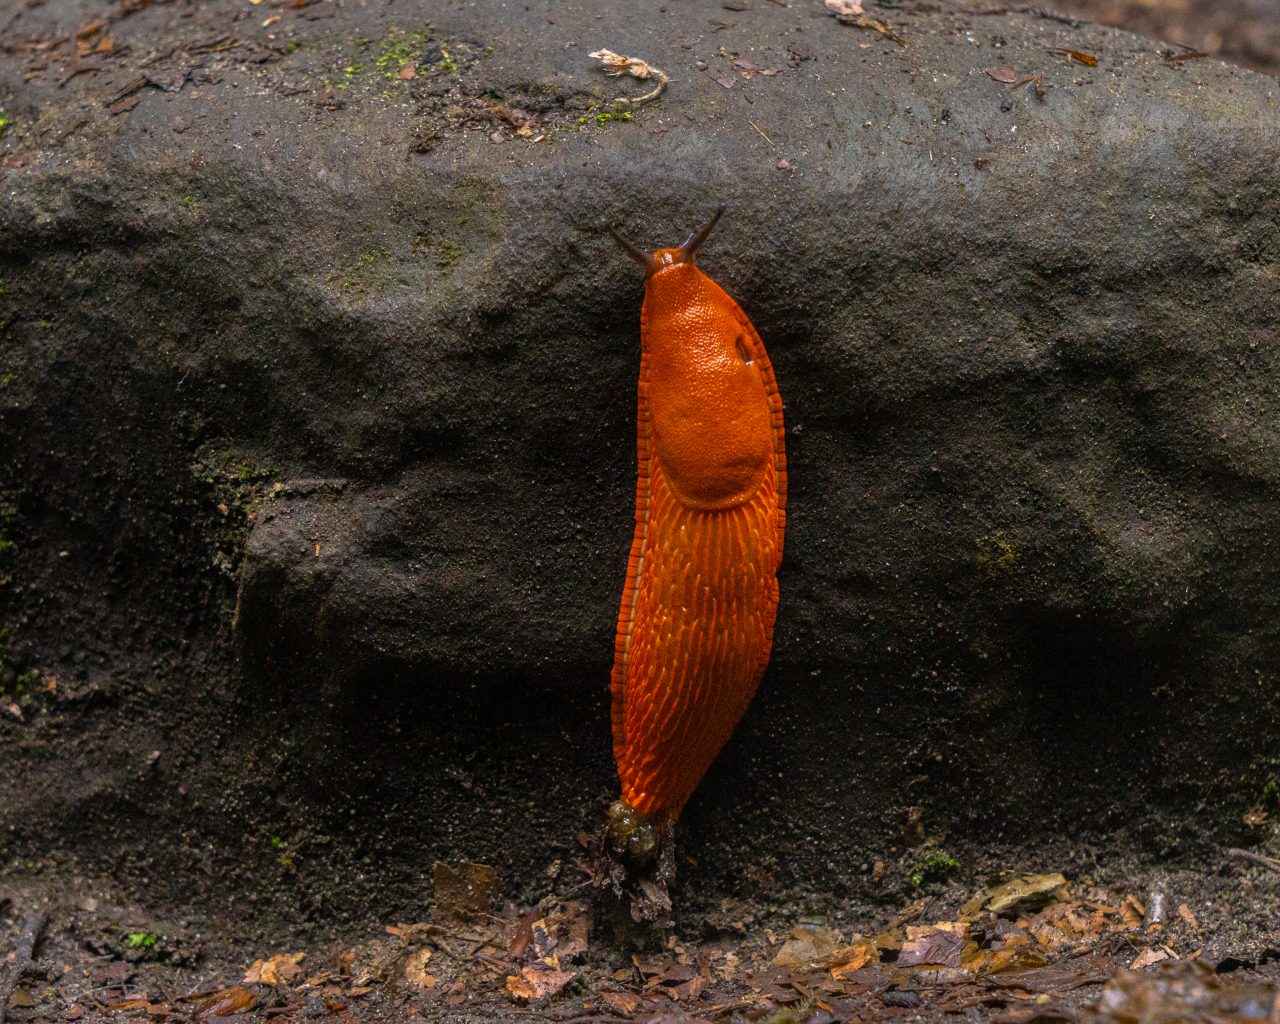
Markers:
{"x": 225, "y": 1002}
{"x": 1147, "y": 957}
{"x": 1023, "y": 892}
{"x": 1132, "y": 913}
{"x": 1002, "y": 73}
{"x": 852, "y": 958}
{"x": 622, "y": 1003}
{"x": 808, "y": 948}
{"x": 1011, "y": 957}
{"x": 279, "y": 970}
{"x": 536, "y": 981}
{"x": 932, "y": 945}
{"x": 415, "y": 970}
{"x": 570, "y": 923}
{"x": 1054, "y": 978}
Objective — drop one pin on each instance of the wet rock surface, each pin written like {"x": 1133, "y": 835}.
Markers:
{"x": 318, "y": 398}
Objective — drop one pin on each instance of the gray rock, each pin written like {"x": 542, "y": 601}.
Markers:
{"x": 323, "y": 379}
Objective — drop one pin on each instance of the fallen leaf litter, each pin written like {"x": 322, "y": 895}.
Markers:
{"x": 1027, "y": 947}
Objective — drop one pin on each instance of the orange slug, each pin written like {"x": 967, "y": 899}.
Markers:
{"x": 695, "y": 628}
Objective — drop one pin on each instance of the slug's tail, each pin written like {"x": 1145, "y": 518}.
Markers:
{"x": 633, "y": 860}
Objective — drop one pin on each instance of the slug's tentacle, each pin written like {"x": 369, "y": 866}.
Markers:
{"x": 694, "y": 242}
{"x": 630, "y": 248}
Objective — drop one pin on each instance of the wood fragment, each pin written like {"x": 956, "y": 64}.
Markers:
{"x": 27, "y": 941}
{"x": 1187, "y": 54}
{"x": 1271, "y": 863}
{"x": 128, "y": 89}
{"x": 79, "y": 69}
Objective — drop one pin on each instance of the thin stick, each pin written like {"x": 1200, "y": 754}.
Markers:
{"x": 1271, "y": 863}
{"x": 761, "y": 131}
{"x": 27, "y": 939}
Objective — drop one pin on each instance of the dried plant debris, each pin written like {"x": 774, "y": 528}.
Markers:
{"x": 1182, "y": 52}
{"x": 24, "y": 953}
{"x": 850, "y": 12}
{"x": 1024, "y": 949}
{"x": 1078, "y": 56}
{"x": 278, "y": 970}
{"x": 616, "y": 64}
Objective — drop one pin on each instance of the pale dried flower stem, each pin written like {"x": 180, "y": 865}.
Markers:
{"x": 616, "y": 64}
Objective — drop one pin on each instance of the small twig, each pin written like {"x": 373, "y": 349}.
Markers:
{"x": 27, "y": 939}
{"x": 616, "y": 64}
{"x": 760, "y": 131}
{"x": 1188, "y": 53}
{"x": 1271, "y": 863}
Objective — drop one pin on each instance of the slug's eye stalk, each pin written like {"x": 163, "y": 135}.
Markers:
{"x": 630, "y": 248}
{"x": 694, "y": 242}
{"x": 663, "y": 258}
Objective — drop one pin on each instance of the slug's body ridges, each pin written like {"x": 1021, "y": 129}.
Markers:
{"x": 695, "y": 627}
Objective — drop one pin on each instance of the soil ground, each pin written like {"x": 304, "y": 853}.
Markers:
{"x": 1100, "y": 942}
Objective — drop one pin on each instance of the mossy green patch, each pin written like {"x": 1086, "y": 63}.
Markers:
{"x": 397, "y": 50}
{"x": 363, "y": 272}
{"x": 607, "y": 117}
{"x": 996, "y": 557}
{"x": 347, "y": 75}
{"x": 443, "y": 252}
{"x": 428, "y": 54}
{"x": 141, "y": 940}
{"x": 935, "y": 866}
{"x": 448, "y": 252}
